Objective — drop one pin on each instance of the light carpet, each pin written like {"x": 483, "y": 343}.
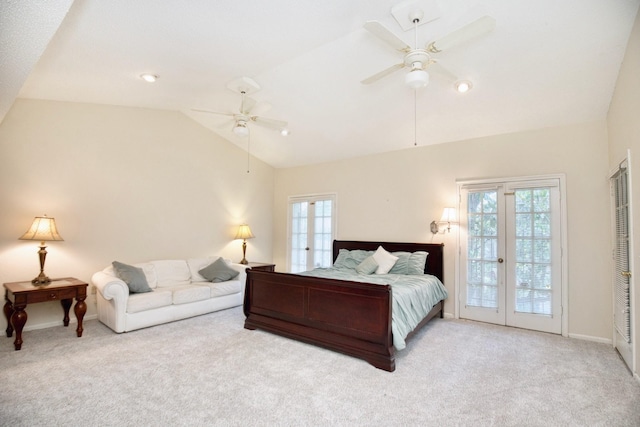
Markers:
{"x": 208, "y": 370}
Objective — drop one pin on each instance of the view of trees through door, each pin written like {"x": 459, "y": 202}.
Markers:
{"x": 311, "y": 232}
{"x": 511, "y": 253}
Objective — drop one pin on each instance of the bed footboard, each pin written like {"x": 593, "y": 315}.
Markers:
{"x": 349, "y": 317}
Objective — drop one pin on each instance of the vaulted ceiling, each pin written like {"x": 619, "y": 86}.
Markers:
{"x": 547, "y": 63}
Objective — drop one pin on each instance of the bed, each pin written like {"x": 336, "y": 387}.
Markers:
{"x": 351, "y": 317}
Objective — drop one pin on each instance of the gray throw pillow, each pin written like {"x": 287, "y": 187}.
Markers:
{"x": 218, "y": 271}
{"x": 133, "y": 276}
{"x": 367, "y": 266}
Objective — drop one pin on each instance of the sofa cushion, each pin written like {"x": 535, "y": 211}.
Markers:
{"x": 219, "y": 271}
{"x": 189, "y": 293}
{"x": 197, "y": 264}
{"x": 172, "y": 272}
{"x": 133, "y": 276}
{"x": 223, "y": 288}
{"x": 149, "y": 300}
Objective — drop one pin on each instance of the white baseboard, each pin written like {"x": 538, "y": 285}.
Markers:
{"x": 576, "y": 336}
{"x": 592, "y": 338}
{"x": 72, "y": 320}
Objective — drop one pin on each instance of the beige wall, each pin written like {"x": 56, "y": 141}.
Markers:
{"x": 624, "y": 134}
{"x": 123, "y": 184}
{"x": 395, "y": 196}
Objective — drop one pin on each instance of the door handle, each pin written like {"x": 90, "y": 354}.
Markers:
{"x": 500, "y": 260}
{"x": 626, "y": 273}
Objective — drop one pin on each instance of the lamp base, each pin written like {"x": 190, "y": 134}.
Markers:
{"x": 244, "y": 252}
{"x": 41, "y": 280}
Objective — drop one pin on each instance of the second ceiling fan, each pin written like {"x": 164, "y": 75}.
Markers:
{"x": 244, "y": 116}
{"x": 417, "y": 59}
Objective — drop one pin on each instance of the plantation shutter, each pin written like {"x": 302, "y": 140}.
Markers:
{"x": 622, "y": 273}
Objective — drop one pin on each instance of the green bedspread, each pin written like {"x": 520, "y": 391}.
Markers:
{"x": 413, "y": 296}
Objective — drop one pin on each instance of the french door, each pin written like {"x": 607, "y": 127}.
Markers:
{"x": 511, "y": 253}
{"x": 311, "y": 232}
{"x": 622, "y": 292}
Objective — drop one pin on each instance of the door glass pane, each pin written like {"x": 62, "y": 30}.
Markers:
{"x": 323, "y": 247}
{"x": 299, "y": 237}
{"x": 533, "y": 251}
{"x": 482, "y": 249}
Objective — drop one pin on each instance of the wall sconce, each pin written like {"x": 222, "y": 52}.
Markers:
{"x": 448, "y": 218}
{"x": 244, "y": 233}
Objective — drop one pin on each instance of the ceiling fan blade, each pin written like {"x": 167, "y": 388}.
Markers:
{"x": 470, "y": 31}
{"x": 212, "y": 112}
{"x": 272, "y": 123}
{"x": 384, "y": 34}
{"x": 247, "y": 105}
{"x": 381, "y": 74}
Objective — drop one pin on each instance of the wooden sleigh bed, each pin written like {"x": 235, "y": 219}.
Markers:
{"x": 353, "y": 318}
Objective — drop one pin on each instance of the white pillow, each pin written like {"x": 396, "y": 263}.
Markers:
{"x": 385, "y": 260}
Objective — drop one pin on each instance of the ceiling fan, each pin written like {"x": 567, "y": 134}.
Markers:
{"x": 241, "y": 119}
{"x": 419, "y": 59}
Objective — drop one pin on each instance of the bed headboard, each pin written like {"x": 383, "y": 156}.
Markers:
{"x": 434, "y": 263}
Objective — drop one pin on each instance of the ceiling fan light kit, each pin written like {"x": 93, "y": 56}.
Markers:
{"x": 241, "y": 129}
{"x": 416, "y": 79}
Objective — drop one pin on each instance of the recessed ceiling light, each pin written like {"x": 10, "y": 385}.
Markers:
{"x": 149, "y": 77}
{"x": 284, "y": 132}
{"x": 463, "y": 86}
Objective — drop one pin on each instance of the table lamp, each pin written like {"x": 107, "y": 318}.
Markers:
{"x": 43, "y": 229}
{"x": 244, "y": 233}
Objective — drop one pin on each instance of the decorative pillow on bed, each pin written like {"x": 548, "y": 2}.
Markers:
{"x": 402, "y": 264}
{"x": 350, "y": 259}
{"x": 368, "y": 266}
{"x": 411, "y": 263}
{"x": 384, "y": 259}
{"x": 218, "y": 271}
{"x": 133, "y": 276}
{"x": 417, "y": 261}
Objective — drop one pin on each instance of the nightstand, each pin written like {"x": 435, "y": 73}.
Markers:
{"x": 262, "y": 266}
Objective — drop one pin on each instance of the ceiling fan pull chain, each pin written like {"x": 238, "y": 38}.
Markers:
{"x": 415, "y": 117}
{"x": 248, "y": 151}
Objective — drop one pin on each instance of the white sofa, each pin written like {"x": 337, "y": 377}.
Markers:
{"x": 178, "y": 292}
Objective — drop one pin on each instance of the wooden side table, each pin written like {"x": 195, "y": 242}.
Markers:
{"x": 19, "y": 294}
{"x": 262, "y": 266}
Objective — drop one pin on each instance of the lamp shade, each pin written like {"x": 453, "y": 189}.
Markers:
{"x": 43, "y": 229}
{"x": 244, "y": 232}
{"x": 448, "y": 215}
